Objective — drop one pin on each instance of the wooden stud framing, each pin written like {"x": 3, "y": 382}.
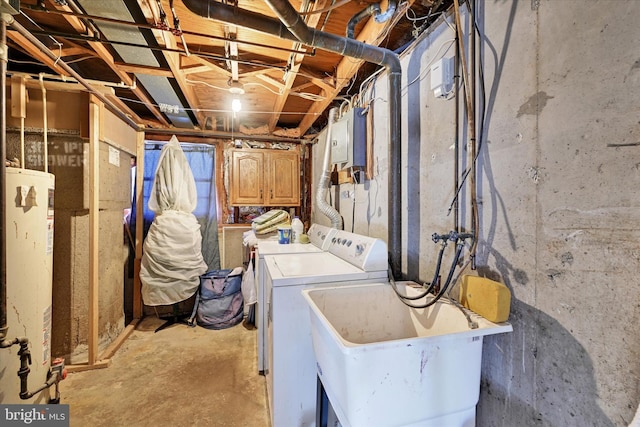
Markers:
{"x": 137, "y": 285}
{"x": 94, "y": 225}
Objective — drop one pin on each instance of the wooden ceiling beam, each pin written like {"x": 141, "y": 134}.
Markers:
{"x": 144, "y": 69}
{"x": 272, "y": 81}
{"x": 303, "y": 86}
{"x": 261, "y": 71}
{"x": 195, "y": 69}
{"x": 211, "y": 66}
{"x": 295, "y": 63}
{"x": 35, "y": 53}
{"x": 104, "y": 54}
{"x": 320, "y": 81}
{"x": 173, "y": 59}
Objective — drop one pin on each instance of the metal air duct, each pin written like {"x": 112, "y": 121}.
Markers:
{"x": 325, "y": 179}
{"x": 292, "y": 27}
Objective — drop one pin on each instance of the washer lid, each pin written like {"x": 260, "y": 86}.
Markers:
{"x": 310, "y": 268}
{"x": 272, "y": 247}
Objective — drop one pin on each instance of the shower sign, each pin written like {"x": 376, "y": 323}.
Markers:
{"x": 114, "y": 156}
{"x": 60, "y": 154}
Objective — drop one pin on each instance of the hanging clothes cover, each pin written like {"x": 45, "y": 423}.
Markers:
{"x": 172, "y": 260}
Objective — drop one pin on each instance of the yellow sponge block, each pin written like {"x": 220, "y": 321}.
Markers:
{"x": 490, "y": 299}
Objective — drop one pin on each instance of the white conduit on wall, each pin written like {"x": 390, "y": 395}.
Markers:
{"x": 22, "y": 142}
{"x": 44, "y": 124}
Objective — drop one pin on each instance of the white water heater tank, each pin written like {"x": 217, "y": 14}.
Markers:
{"x": 29, "y": 230}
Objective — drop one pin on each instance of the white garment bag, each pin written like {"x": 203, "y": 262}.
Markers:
{"x": 172, "y": 261}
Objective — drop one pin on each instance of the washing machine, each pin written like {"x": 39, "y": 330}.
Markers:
{"x": 319, "y": 239}
{"x": 290, "y": 366}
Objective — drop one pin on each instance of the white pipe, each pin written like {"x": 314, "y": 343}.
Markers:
{"x": 44, "y": 124}
{"x": 325, "y": 179}
{"x": 68, "y": 79}
{"x": 22, "y": 142}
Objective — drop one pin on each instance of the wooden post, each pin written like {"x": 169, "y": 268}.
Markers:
{"x": 102, "y": 127}
{"x": 137, "y": 285}
{"x": 94, "y": 226}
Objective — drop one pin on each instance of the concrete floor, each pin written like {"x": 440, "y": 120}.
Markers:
{"x": 180, "y": 376}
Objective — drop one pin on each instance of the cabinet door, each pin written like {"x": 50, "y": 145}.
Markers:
{"x": 283, "y": 182}
{"x": 247, "y": 183}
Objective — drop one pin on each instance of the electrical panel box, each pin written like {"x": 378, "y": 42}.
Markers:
{"x": 349, "y": 139}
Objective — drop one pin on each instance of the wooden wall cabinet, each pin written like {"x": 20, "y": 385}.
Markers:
{"x": 264, "y": 178}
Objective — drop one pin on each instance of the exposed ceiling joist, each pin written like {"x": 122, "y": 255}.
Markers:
{"x": 144, "y": 69}
{"x": 36, "y": 53}
{"x": 295, "y": 62}
{"x": 181, "y": 73}
{"x": 173, "y": 59}
{"x": 103, "y": 52}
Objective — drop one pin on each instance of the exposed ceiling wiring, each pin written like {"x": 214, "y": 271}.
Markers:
{"x": 306, "y": 95}
{"x": 327, "y": 9}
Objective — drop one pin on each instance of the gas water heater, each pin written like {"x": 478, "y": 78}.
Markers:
{"x": 26, "y": 370}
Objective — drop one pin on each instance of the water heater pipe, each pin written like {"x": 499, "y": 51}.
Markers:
{"x": 45, "y": 125}
{"x": 292, "y": 27}
{"x": 325, "y": 179}
{"x": 57, "y": 372}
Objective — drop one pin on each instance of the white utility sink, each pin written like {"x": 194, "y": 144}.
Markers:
{"x": 383, "y": 363}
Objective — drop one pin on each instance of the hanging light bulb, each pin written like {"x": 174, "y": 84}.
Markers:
{"x": 236, "y": 106}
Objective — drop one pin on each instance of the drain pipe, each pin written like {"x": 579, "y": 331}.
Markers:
{"x": 325, "y": 179}
{"x": 371, "y": 10}
{"x": 295, "y": 29}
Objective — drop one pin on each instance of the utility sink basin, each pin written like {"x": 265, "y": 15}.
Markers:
{"x": 383, "y": 363}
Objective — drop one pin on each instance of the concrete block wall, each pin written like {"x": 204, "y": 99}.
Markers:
{"x": 558, "y": 180}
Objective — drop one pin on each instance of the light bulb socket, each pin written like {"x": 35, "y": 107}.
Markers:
{"x": 236, "y": 88}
